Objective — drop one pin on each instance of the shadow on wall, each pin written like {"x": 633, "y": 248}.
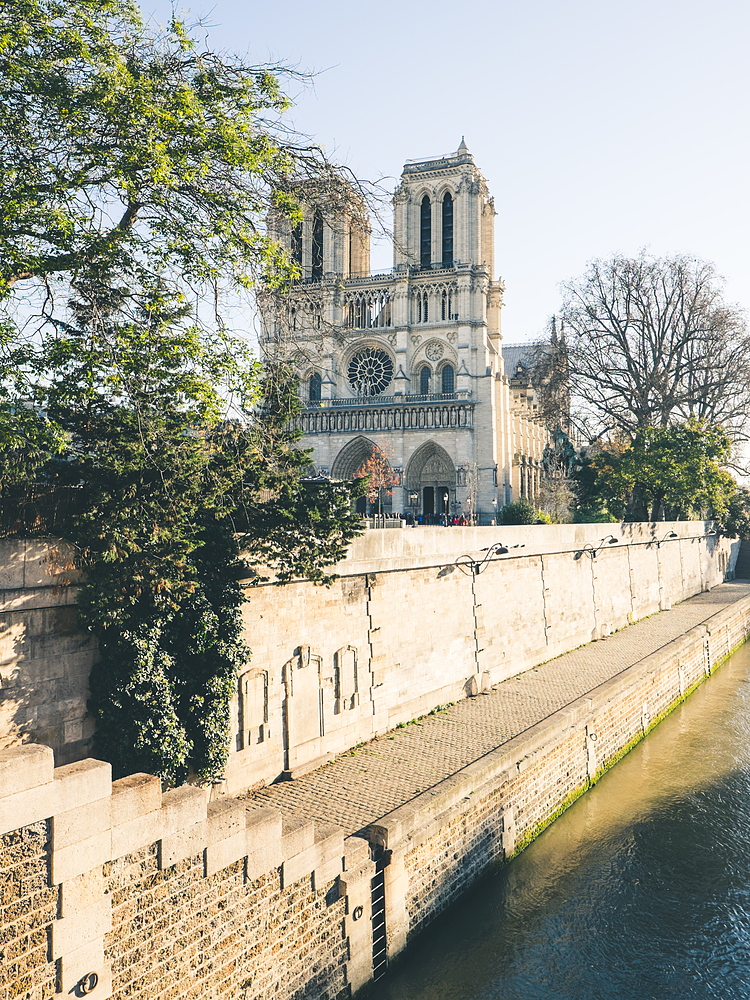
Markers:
{"x": 45, "y": 662}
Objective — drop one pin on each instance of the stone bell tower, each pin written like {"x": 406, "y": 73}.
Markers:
{"x": 443, "y": 214}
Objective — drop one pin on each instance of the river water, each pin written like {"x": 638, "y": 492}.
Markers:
{"x": 640, "y": 890}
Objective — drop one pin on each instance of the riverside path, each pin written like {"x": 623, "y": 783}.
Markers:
{"x": 364, "y": 784}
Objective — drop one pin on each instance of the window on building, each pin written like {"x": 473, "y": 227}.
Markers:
{"x": 424, "y": 308}
{"x": 444, "y": 306}
{"x": 315, "y": 387}
{"x": 297, "y": 244}
{"x": 425, "y": 233}
{"x": 448, "y": 229}
{"x": 419, "y": 308}
{"x": 424, "y": 381}
{"x": 317, "y": 247}
{"x": 448, "y": 379}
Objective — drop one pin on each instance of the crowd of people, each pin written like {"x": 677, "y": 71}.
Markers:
{"x": 415, "y": 520}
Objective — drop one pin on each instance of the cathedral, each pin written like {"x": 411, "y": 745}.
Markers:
{"x": 411, "y": 360}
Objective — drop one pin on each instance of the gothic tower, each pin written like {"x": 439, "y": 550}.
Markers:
{"x": 409, "y": 360}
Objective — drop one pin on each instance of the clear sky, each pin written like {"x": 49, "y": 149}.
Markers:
{"x": 600, "y": 126}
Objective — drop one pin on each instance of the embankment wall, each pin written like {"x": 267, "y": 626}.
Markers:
{"x": 415, "y": 620}
{"x": 411, "y": 625}
{"x": 120, "y": 889}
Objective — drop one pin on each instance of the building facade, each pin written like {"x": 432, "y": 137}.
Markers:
{"x": 411, "y": 360}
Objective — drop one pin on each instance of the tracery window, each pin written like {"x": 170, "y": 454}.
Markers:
{"x": 424, "y": 308}
{"x": 316, "y": 384}
{"x": 370, "y": 372}
{"x": 444, "y": 304}
{"x": 424, "y": 381}
{"x": 448, "y": 229}
{"x": 448, "y": 379}
{"x": 419, "y": 308}
{"x": 425, "y": 233}
{"x": 317, "y": 247}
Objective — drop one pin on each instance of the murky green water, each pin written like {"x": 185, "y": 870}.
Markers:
{"x": 641, "y": 890}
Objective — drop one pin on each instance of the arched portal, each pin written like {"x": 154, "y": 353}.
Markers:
{"x": 349, "y": 461}
{"x": 431, "y": 475}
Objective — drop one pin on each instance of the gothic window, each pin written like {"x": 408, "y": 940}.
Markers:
{"x": 425, "y": 233}
{"x": 444, "y": 304}
{"x": 317, "y": 247}
{"x": 448, "y": 379}
{"x": 450, "y": 305}
{"x": 424, "y": 381}
{"x": 448, "y": 229}
{"x": 419, "y": 308}
{"x": 424, "y": 308}
{"x": 370, "y": 372}
{"x": 297, "y": 244}
{"x": 315, "y": 387}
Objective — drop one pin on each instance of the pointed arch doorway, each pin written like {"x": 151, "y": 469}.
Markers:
{"x": 431, "y": 474}
{"x": 349, "y": 460}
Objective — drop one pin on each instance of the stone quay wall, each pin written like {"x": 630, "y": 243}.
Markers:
{"x": 123, "y": 890}
{"x": 406, "y": 628}
{"x": 436, "y": 845}
{"x": 117, "y": 889}
{"x": 409, "y": 625}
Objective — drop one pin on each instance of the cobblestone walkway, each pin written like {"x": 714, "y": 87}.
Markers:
{"x": 362, "y": 785}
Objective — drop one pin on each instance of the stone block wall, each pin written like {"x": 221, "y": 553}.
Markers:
{"x": 45, "y": 658}
{"x": 440, "y": 842}
{"x": 117, "y": 889}
{"x": 417, "y": 619}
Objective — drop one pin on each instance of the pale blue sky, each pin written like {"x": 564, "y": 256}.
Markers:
{"x": 599, "y": 126}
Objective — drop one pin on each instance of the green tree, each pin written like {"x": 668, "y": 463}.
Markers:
{"x": 675, "y": 470}
{"x": 131, "y": 151}
{"x": 139, "y": 170}
{"x": 174, "y": 495}
{"x": 521, "y": 511}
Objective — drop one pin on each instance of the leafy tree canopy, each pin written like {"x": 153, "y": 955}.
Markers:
{"x": 139, "y": 170}
{"x": 130, "y": 151}
{"x": 675, "y": 470}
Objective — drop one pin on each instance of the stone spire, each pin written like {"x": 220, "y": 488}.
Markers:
{"x": 463, "y": 148}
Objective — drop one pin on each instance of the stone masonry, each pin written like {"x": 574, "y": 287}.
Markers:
{"x": 120, "y": 889}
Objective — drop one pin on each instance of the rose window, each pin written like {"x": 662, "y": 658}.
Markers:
{"x": 370, "y": 372}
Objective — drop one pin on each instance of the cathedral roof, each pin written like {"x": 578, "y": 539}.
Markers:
{"x": 515, "y": 353}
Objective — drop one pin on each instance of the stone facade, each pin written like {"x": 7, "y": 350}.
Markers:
{"x": 410, "y": 360}
{"x": 405, "y": 628}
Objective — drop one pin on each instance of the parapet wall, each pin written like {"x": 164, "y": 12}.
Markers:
{"x": 118, "y": 889}
{"x": 406, "y": 628}
{"x": 417, "y": 619}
